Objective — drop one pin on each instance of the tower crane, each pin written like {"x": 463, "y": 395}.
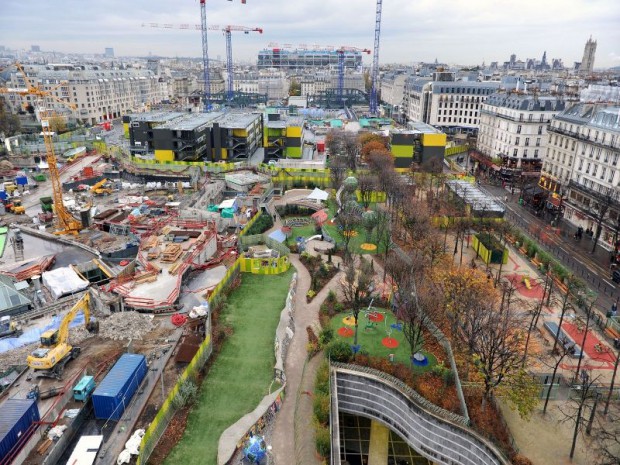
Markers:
{"x": 341, "y": 51}
{"x": 66, "y": 223}
{"x": 205, "y": 52}
{"x": 374, "y": 72}
{"x": 227, "y": 30}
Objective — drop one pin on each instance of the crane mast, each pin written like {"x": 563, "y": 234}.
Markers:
{"x": 374, "y": 72}
{"x": 205, "y": 55}
{"x": 65, "y": 222}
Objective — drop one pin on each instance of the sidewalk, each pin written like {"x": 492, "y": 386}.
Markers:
{"x": 293, "y": 432}
{"x": 575, "y": 255}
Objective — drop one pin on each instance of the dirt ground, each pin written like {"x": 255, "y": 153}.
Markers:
{"x": 547, "y": 440}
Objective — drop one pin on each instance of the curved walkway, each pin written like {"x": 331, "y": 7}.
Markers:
{"x": 293, "y": 426}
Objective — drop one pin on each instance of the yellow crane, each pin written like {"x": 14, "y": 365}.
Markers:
{"x": 66, "y": 223}
{"x": 55, "y": 351}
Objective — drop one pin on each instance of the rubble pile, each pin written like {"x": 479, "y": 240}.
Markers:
{"x": 119, "y": 327}
{"x": 16, "y": 356}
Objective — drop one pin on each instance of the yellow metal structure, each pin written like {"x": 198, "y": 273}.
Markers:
{"x": 66, "y": 223}
{"x": 98, "y": 188}
{"x": 55, "y": 351}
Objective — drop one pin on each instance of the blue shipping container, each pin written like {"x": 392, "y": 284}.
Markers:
{"x": 16, "y": 417}
{"x": 116, "y": 390}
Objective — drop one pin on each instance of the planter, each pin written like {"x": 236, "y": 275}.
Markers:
{"x": 560, "y": 285}
{"x": 523, "y": 250}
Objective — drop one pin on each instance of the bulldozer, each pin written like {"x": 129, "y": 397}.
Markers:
{"x": 16, "y": 207}
{"x": 100, "y": 189}
{"x": 55, "y": 352}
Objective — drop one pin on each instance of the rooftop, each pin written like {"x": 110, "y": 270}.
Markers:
{"x": 238, "y": 120}
{"x": 191, "y": 122}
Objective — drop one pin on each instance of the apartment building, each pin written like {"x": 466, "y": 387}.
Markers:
{"x": 317, "y": 83}
{"x": 581, "y": 167}
{"x": 441, "y": 101}
{"x": 99, "y": 94}
{"x": 393, "y": 89}
{"x": 513, "y": 127}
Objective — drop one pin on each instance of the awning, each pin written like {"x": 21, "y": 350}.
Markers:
{"x": 318, "y": 194}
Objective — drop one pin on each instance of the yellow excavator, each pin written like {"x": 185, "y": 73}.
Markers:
{"x": 99, "y": 189}
{"x": 51, "y": 357}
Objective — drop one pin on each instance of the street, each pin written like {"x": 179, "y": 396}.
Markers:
{"x": 574, "y": 255}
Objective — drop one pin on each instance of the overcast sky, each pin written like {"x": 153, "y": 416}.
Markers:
{"x": 453, "y": 31}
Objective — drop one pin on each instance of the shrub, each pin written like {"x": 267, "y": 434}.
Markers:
{"x": 326, "y": 336}
{"x": 340, "y": 351}
{"x": 532, "y": 249}
{"x": 322, "y": 441}
{"x": 331, "y": 296}
{"x": 321, "y": 383}
{"x": 320, "y": 406}
{"x": 262, "y": 224}
{"x": 519, "y": 459}
{"x": 310, "y": 294}
{"x": 324, "y": 309}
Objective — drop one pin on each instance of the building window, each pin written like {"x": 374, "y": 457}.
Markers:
{"x": 515, "y": 153}
{"x": 538, "y": 142}
{"x": 525, "y": 153}
{"x": 527, "y": 141}
{"x": 517, "y": 140}
{"x": 536, "y": 153}
{"x": 530, "y": 117}
{"x": 540, "y": 128}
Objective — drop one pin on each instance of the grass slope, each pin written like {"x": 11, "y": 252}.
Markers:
{"x": 241, "y": 373}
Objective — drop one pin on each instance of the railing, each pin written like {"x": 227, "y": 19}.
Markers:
{"x": 439, "y": 435}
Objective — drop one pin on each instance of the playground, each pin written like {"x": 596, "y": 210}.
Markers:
{"x": 380, "y": 335}
{"x": 241, "y": 373}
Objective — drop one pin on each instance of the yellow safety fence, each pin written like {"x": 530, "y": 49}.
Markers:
{"x": 159, "y": 424}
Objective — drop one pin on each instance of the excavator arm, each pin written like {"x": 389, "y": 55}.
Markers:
{"x": 84, "y": 305}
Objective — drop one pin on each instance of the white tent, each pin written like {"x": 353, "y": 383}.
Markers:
{"x": 318, "y": 195}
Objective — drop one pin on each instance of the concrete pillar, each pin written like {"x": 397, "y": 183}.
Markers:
{"x": 379, "y": 442}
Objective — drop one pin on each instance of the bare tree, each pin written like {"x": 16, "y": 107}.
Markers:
{"x": 337, "y": 171}
{"x": 497, "y": 345}
{"x": 564, "y": 349}
{"x": 607, "y": 439}
{"x": 534, "y": 314}
{"x": 348, "y": 218}
{"x": 574, "y": 411}
{"x": 357, "y": 287}
{"x": 367, "y": 185}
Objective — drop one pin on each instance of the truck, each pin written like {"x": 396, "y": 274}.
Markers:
{"x": 9, "y": 328}
{"x": 55, "y": 351}
{"x": 84, "y": 388}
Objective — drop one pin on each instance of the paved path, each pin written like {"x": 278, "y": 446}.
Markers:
{"x": 293, "y": 428}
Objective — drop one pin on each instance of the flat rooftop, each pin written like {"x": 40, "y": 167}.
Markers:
{"x": 190, "y": 122}
{"x": 416, "y": 127}
{"x": 157, "y": 116}
{"x": 238, "y": 120}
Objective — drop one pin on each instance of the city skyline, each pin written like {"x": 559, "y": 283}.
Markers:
{"x": 411, "y": 31}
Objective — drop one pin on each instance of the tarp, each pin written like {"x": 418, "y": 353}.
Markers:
{"x": 230, "y": 203}
{"x": 63, "y": 281}
{"x": 320, "y": 217}
{"x": 31, "y": 335}
{"x": 318, "y": 194}
{"x": 228, "y": 213}
{"x": 278, "y": 235}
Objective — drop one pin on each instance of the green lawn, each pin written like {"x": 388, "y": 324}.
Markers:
{"x": 242, "y": 372}
{"x": 370, "y": 339}
{"x": 303, "y": 231}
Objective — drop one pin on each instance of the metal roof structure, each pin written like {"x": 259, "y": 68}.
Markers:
{"x": 478, "y": 200}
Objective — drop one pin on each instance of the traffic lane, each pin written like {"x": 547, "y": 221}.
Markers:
{"x": 606, "y": 290}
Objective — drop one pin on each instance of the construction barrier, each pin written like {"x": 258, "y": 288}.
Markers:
{"x": 159, "y": 424}
{"x": 249, "y": 224}
{"x": 265, "y": 265}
